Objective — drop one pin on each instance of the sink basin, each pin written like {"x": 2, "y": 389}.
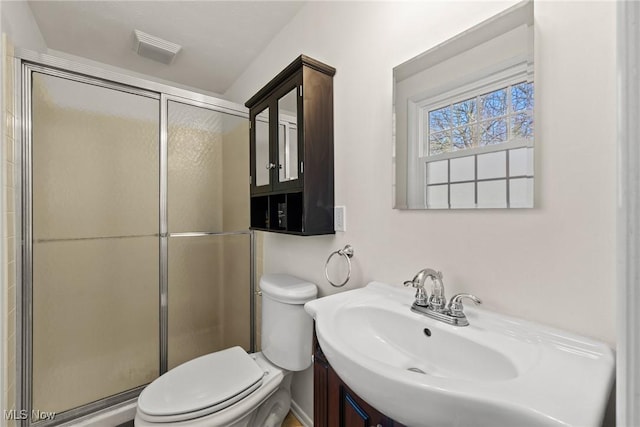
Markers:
{"x": 498, "y": 371}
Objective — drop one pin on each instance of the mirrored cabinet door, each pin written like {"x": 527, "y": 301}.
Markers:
{"x": 263, "y": 164}
{"x": 288, "y": 164}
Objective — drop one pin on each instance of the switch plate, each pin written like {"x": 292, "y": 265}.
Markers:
{"x": 340, "y": 218}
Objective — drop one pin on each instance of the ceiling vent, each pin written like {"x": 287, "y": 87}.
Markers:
{"x": 155, "y": 48}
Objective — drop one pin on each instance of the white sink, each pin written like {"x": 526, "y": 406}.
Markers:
{"x": 498, "y": 371}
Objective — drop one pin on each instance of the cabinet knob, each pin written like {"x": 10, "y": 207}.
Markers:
{"x": 270, "y": 166}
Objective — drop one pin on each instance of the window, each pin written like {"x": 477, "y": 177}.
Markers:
{"x": 492, "y": 118}
{"x": 476, "y": 144}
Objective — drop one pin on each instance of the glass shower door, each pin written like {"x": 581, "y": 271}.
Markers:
{"x": 209, "y": 244}
{"x": 137, "y": 250}
{"x": 95, "y": 241}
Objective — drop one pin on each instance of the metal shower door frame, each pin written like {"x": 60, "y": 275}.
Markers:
{"x": 26, "y": 63}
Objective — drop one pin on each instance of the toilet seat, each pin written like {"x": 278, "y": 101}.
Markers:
{"x": 201, "y": 387}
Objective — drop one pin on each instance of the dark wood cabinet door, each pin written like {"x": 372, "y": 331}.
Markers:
{"x": 346, "y": 409}
{"x": 320, "y": 388}
{"x": 335, "y": 404}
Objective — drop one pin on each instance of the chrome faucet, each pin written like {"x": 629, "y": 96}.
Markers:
{"x": 435, "y": 305}
{"x": 418, "y": 282}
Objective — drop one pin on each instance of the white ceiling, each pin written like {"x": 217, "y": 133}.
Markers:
{"x": 219, "y": 38}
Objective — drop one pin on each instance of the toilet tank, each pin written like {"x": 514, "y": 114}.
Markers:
{"x": 287, "y": 330}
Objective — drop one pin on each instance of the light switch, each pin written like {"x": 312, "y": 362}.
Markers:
{"x": 340, "y": 218}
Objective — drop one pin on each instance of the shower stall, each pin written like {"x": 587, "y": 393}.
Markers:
{"x": 136, "y": 252}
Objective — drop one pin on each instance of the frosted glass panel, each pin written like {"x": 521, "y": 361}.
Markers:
{"x": 492, "y": 165}
{"x": 463, "y": 195}
{"x": 195, "y": 168}
{"x": 492, "y": 194}
{"x": 208, "y": 295}
{"x": 437, "y": 172}
{"x": 521, "y": 193}
{"x": 95, "y": 242}
{"x": 95, "y": 161}
{"x": 521, "y": 162}
{"x": 438, "y": 196}
{"x": 208, "y": 192}
{"x": 208, "y": 168}
{"x": 235, "y": 174}
{"x": 95, "y": 319}
{"x": 96, "y": 245}
{"x": 463, "y": 169}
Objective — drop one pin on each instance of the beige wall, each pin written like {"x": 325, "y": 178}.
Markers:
{"x": 20, "y": 25}
{"x": 8, "y": 279}
{"x": 552, "y": 264}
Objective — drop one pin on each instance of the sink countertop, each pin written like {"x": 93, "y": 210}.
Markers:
{"x": 499, "y": 370}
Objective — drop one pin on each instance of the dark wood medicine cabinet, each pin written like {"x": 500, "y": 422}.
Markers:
{"x": 291, "y": 151}
{"x": 335, "y": 404}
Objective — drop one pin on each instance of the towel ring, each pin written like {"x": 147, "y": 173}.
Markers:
{"x": 347, "y": 253}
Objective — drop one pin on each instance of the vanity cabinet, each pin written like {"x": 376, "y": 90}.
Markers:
{"x": 336, "y": 405}
{"x": 291, "y": 151}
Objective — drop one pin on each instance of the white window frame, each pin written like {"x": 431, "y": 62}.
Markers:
{"x": 516, "y": 70}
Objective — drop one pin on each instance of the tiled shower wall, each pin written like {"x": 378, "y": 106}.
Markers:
{"x": 8, "y": 222}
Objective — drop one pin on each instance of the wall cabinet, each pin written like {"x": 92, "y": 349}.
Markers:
{"x": 291, "y": 153}
{"x": 336, "y": 405}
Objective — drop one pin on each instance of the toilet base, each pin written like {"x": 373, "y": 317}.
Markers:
{"x": 274, "y": 410}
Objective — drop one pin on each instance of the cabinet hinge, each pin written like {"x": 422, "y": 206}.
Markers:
{"x": 250, "y": 124}
{"x": 300, "y": 90}
{"x": 250, "y": 180}
{"x": 301, "y": 167}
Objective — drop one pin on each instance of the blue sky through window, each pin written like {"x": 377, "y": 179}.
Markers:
{"x": 491, "y": 118}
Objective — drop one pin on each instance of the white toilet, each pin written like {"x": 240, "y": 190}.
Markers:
{"x": 231, "y": 388}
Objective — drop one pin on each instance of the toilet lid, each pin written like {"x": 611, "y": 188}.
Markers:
{"x": 201, "y": 383}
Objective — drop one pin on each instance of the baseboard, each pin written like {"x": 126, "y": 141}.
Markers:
{"x": 300, "y": 414}
{"x": 113, "y": 416}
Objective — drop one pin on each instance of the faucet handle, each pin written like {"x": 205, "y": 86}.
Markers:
{"x": 455, "y": 305}
{"x": 437, "y": 300}
{"x": 421, "y": 293}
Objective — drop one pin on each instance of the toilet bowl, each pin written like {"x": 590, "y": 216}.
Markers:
{"x": 183, "y": 400}
{"x": 231, "y": 388}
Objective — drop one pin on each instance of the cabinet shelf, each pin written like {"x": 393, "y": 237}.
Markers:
{"x": 291, "y": 152}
